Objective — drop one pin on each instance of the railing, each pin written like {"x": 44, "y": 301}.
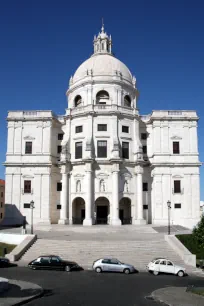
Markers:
{"x": 175, "y": 113}
{"x": 126, "y": 221}
{"x": 101, "y": 220}
{"x": 102, "y": 107}
{"x": 77, "y": 220}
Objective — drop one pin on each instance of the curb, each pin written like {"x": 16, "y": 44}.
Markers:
{"x": 29, "y": 299}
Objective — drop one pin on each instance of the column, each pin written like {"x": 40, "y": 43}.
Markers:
{"x": 64, "y": 197}
{"x": 115, "y": 196}
{"x": 140, "y": 219}
{"x": 88, "y": 204}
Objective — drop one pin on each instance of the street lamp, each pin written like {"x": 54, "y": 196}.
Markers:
{"x": 31, "y": 207}
{"x": 169, "y": 207}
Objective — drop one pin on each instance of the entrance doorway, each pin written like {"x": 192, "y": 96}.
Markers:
{"x": 78, "y": 210}
{"x": 125, "y": 211}
{"x": 102, "y": 215}
{"x": 102, "y": 210}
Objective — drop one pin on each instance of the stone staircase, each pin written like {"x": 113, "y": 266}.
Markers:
{"x": 137, "y": 252}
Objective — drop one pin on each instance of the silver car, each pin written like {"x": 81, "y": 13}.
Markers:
{"x": 112, "y": 265}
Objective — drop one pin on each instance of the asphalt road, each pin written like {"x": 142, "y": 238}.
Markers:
{"x": 87, "y": 288}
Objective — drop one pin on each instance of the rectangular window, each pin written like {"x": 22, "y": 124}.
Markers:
{"x": 145, "y": 186}
{"x": 27, "y": 186}
{"x": 79, "y": 129}
{"x": 1, "y": 215}
{"x": 145, "y": 206}
{"x": 28, "y": 147}
{"x": 1, "y": 204}
{"x": 59, "y": 149}
{"x": 78, "y": 150}
{"x": 144, "y": 149}
{"x": 60, "y": 136}
{"x": 143, "y": 136}
{"x": 26, "y": 205}
{"x": 102, "y": 127}
{"x": 125, "y": 150}
{"x": 59, "y": 206}
{"x": 125, "y": 129}
{"x": 59, "y": 186}
{"x": 102, "y": 148}
{"x": 177, "y": 205}
{"x": 176, "y": 149}
{"x": 177, "y": 186}
{"x": 2, "y": 194}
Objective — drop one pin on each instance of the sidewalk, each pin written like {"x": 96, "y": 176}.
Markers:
{"x": 177, "y": 296}
{"x": 19, "y": 292}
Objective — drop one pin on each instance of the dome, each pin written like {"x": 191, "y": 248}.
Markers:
{"x": 102, "y": 65}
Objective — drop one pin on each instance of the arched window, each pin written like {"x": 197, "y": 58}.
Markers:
{"x": 78, "y": 101}
{"x": 102, "y": 97}
{"x": 127, "y": 101}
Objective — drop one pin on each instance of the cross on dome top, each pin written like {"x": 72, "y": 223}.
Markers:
{"x": 103, "y": 42}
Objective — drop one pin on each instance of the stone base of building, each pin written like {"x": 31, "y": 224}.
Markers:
{"x": 63, "y": 221}
{"x": 116, "y": 222}
{"x": 88, "y": 222}
{"x": 139, "y": 222}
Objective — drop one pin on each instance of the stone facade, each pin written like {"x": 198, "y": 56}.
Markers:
{"x": 103, "y": 162}
{"x": 2, "y": 199}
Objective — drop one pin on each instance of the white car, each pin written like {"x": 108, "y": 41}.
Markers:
{"x": 163, "y": 265}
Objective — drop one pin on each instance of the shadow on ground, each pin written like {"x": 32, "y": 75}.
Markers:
{"x": 15, "y": 291}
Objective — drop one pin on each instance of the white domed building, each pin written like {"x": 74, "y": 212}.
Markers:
{"x": 103, "y": 162}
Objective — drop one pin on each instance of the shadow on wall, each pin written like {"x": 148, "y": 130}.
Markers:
{"x": 12, "y": 216}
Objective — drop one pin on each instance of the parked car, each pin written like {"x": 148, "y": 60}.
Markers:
{"x": 163, "y": 265}
{"x": 112, "y": 265}
{"x": 53, "y": 262}
{"x": 4, "y": 262}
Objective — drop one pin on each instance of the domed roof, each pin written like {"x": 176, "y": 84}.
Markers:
{"x": 103, "y": 65}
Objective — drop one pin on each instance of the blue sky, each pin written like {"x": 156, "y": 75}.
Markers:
{"x": 43, "y": 43}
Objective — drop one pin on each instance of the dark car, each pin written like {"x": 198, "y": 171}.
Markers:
{"x": 53, "y": 262}
{"x": 4, "y": 262}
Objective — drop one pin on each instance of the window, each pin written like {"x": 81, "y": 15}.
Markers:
{"x": 176, "y": 149}
{"x": 125, "y": 150}
{"x": 59, "y": 206}
{"x": 78, "y": 150}
{"x": 26, "y": 205}
{"x": 28, "y": 147}
{"x": 157, "y": 262}
{"x": 1, "y": 215}
{"x": 27, "y": 186}
{"x": 79, "y": 129}
{"x": 177, "y": 186}
{"x": 145, "y": 186}
{"x": 125, "y": 129}
{"x": 59, "y": 186}
{"x": 77, "y": 101}
{"x": 163, "y": 262}
{"x": 55, "y": 259}
{"x": 145, "y": 206}
{"x": 177, "y": 205}
{"x": 106, "y": 261}
{"x": 2, "y": 194}
{"x": 169, "y": 263}
{"x": 144, "y": 149}
{"x": 1, "y": 204}
{"x": 114, "y": 262}
{"x": 143, "y": 136}
{"x": 102, "y": 97}
{"x": 127, "y": 101}
{"x": 60, "y": 136}
{"x": 102, "y": 127}
{"x": 102, "y": 148}
{"x": 59, "y": 149}
{"x": 45, "y": 260}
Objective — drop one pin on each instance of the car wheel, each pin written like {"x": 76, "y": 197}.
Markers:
{"x": 180, "y": 273}
{"x": 126, "y": 271}
{"x": 155, "y": 272}
{"x": 98, "y": 270}
{"x": 67, "y": 269}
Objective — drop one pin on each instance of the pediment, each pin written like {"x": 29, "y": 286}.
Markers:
{"x": 176, "y": 137}
{"x": 29, "y": 137}
{"x": 177, "y": 176}
{"x": 78, "y": 175}
{"x": 102, "y": 175}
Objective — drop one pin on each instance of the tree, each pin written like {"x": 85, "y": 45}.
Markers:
{"x": 198, "y": 233}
